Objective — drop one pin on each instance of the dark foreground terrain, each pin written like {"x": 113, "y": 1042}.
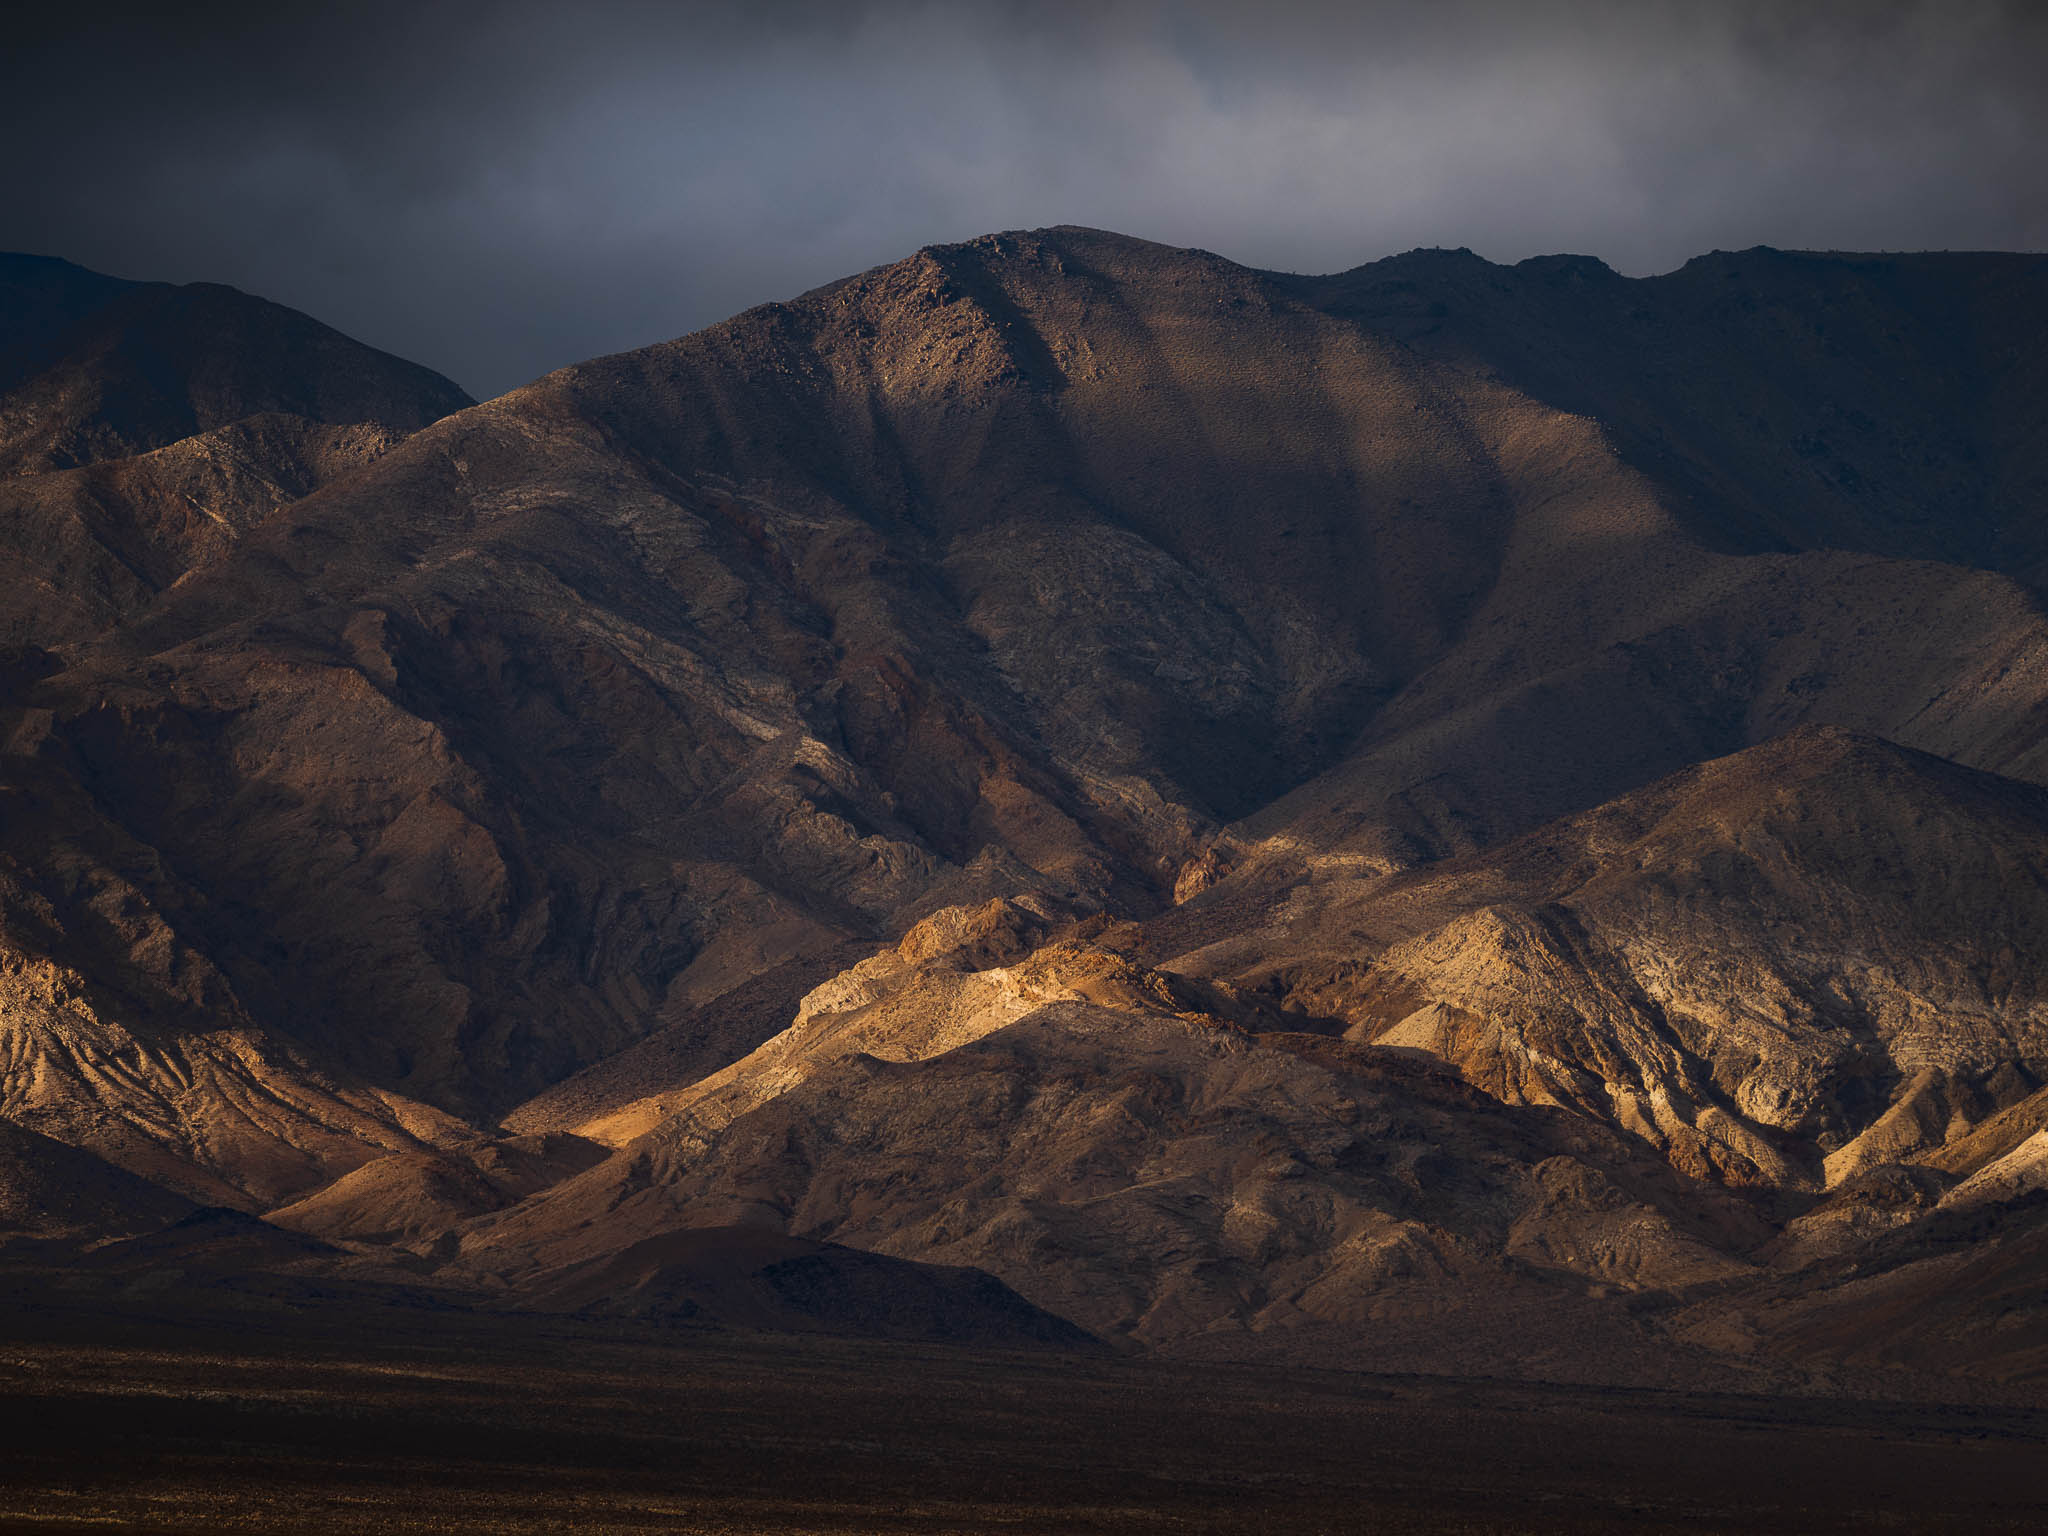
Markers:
{"x": 460, "y": 1426}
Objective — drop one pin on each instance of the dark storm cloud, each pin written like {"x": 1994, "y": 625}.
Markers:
{"x": 499, "y": 188}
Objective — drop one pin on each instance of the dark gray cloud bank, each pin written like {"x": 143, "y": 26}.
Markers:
{"x": 499, "y": 188}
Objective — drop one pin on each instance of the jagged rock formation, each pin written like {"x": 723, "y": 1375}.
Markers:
{"x": 1250, "y": 808}
{"x": 1743, "y": 965}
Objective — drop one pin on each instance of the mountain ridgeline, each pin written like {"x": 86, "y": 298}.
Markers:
{"x": 1438, "y": 815}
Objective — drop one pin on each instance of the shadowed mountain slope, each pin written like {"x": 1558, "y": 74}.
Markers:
{"x": 94, "y": 368}
{"x": 50, "y": 1189}
{"x": 1885, "y": 406}
{"x": 144, "y": 427}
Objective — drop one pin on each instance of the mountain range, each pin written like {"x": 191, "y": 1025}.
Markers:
{"x": 1061, "y": 791}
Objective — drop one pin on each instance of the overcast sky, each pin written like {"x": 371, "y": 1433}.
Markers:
{"x": 496, "y": 188}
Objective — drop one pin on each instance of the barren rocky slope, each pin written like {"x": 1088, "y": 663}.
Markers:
{"x": 1743, "y": 1023}
{"x": 144, "y": 427}
{"x": 1147, "y": 777}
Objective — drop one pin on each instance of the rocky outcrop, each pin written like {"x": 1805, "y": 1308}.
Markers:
{"x": 1786, "y": 968}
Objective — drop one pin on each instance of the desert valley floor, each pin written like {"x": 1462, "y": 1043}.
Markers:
{"x": 460, "y": 1429}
